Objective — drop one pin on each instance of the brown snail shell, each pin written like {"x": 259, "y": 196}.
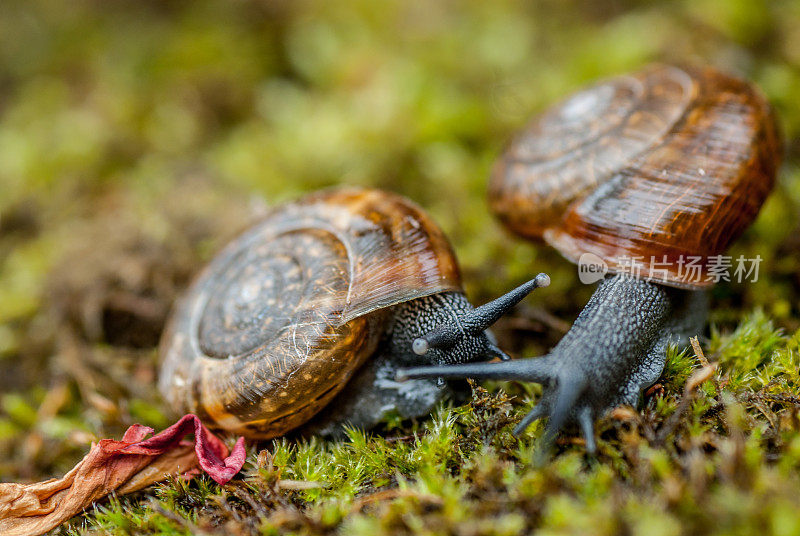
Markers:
{"x": 280, "y": 320}
{"x": 660, "y": 165}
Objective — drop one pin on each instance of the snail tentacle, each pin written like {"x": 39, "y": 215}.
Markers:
{"x": 586, "y": 423}
{"x": 534, "y": 369}
{"x": 478, "y": 320}
{"x": 538, "y": 411}
{"x": 566, "y": 395}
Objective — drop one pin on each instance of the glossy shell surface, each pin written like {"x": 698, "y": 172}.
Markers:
{"x": 650, "y": 170}
{"x": 281, "y": 318}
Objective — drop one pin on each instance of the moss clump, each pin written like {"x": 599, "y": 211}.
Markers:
{"x": 728, "y": 466}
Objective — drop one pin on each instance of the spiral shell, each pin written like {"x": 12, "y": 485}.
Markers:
{"x": 659, "y": 166}
{"x": 280, "y": 320}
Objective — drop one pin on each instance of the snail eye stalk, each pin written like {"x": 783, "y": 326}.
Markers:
{"x": 478, "y": 320}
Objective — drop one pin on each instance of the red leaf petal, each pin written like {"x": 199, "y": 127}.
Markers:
{"x": 125, "y": 466}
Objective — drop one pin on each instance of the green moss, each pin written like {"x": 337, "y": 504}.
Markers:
{"x": 729, "y": 465}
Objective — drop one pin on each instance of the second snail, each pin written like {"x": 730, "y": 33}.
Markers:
{"x": 664, "y": 163}
{"x": 658, "y": 167}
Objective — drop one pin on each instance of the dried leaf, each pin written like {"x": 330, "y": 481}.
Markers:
{"x": 122, "y": 466}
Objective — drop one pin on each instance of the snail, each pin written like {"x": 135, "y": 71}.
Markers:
{"x": 312, "y": 310}
{"x": 651, "y": 173}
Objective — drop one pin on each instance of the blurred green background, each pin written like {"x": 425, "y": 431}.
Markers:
{"x": 136, "y": 137}
{"x": 273, "y": 99}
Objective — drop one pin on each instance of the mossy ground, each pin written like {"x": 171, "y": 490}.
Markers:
{"x": 135, "y": 138}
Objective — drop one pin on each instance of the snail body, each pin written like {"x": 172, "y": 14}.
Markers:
{"x": 318, "y": 304}
{"x": 648, "y": 173}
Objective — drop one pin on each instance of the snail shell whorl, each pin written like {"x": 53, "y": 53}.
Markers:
{"x": 663, "y": 163}
{"x": 279, "y": 321}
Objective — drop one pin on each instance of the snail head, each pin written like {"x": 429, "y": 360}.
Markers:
{"x": 477, "y": 321}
